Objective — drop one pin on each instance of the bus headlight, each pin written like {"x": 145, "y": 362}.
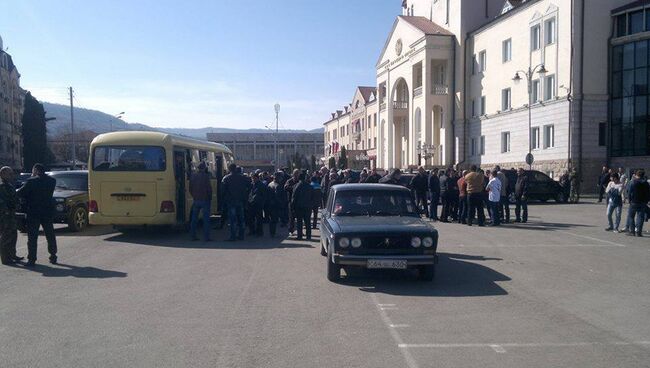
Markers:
{"x": 415, "y": 242}
{"x": 427, "y": 242}
{"x": 356, "y": 242}
{"x": 344, "y": 242}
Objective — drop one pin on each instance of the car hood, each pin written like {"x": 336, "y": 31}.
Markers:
{"x": 61, "y": 193}
{"x": 380, "y": 224}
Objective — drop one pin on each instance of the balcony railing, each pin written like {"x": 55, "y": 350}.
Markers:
{"x": 400, "y": 105}
{"x": 417, "y": 91}
{"x": 440, "y": 89}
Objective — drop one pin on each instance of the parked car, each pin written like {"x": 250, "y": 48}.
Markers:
{"x": 376, "y": 226}
{"x": 540, "y": 187}
{"x": 71, "y": 200}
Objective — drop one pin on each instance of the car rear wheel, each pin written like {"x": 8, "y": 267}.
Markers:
{"x": 78, "y": 219}
{"x": 427, "y": 273}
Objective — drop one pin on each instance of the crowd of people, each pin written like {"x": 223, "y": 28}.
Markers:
{"x": 616, "y": 188}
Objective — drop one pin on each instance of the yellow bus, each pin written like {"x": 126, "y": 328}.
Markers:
{"x": 142, "y": 178}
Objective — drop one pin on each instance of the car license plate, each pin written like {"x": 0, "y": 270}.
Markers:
{"x": 387, "y": 263}
{"x": 128, "y": 198}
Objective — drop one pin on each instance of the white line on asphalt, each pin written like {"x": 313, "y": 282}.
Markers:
{"x": 399, "y": 326}
{"x": 388, "y": 308}
{"x": 386, "y": 305}
{"x": 502, "y": 346}
{"x": 410, "y": 361}
{"x": 591, "y": 238}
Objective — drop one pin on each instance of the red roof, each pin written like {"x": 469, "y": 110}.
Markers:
{"x": 425, "y": 25}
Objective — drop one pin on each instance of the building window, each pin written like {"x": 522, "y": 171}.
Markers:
{"x": 482, "y": 61}
{"x": 482, "y": 145}
{"x": 602, "y": 134}
{"x": 549, "y": 31}
{"x": 534, "y": 38}
{"x": 534, "y": 138}
{"x": 535, "y": 91}
{"x": 374, "y": 120}
{"x": 549, "y": 136}
{"x": 506, "y": 50}
{"x": 505, "y": 142}
{"x": 483, "y": 105}
{"x": 473, "y": 147}
{"x": 473, "y": 107}
{"x": 621, "y": 25}
{"x": 506, "y": 99}
{"x": 375, "y": 142}
{"x": 635, "y": 22}
{"x": 549, "y": 87}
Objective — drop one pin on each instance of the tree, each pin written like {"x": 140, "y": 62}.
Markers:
{"x": 343, "y": 159}
{"x": 331, "y": 163}
{"x": 35, "y": 149}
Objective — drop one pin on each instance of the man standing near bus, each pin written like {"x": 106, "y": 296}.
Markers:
{"x": 234, "y": 190}
{"x": 201, "y": 192}
{"x": 37, "y": 192}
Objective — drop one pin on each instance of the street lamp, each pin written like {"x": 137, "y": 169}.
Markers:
{"x": 276, "y": 108}
{"x": 541, "y": 70}
{"x": 116, "y": 116}
{"x": 425, "y": 151}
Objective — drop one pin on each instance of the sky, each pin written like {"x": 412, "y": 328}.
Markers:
{"x": 193, "y": 64}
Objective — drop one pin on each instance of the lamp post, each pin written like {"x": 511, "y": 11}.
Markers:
{"x": 425, "y": 151}
{"x": 541, "y": 70}
{"x": 117, "y": 116}
{"x": 276, "y": 108}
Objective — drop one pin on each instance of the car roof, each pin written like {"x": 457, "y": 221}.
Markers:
{"x": 363, "y": 187}
{"x": 67, "y": 172}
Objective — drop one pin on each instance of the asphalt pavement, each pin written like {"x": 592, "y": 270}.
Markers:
{"x": 558, "y": 291}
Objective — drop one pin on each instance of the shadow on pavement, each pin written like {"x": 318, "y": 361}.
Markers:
{"x": 456, "y": 276}
{"x": 533, "y": 225}
{"x": 182, "y": 240}
{"x": 65, "y": 270}
{"x": 88, "y": 231}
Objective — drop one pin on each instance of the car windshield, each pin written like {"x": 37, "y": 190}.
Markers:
{"x": 129, "y": 158}
{"x": 373, "y": 203}
{"x": 71, "y": 181}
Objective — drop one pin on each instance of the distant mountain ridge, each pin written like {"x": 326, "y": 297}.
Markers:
{"x": 99, "y": 122}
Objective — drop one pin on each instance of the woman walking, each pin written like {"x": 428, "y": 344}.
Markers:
{"x": 614, "y": 193}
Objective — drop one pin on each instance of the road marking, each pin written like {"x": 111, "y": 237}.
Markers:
{"x": 386, "y": 305}
{"x": 399, "y": 326}
{"x": 500, "y": 348}
{"x": 388, "y": 308}
{"x": 591, "y": 238}
{"x": 410, "y": 361}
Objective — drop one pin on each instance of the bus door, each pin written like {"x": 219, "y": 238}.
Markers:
{"x": 219, "y": 163}
{"x": 180, "y": 173}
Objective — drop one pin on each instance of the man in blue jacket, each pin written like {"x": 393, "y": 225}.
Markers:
{"x": 639, "y": 197}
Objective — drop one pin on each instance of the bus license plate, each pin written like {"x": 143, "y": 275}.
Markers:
{"x": 387, "y": 263}
{"x": 128, "y": 198}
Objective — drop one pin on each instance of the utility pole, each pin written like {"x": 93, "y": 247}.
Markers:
{"x": 277, "y": 112}
{"x": 74, "y": 151}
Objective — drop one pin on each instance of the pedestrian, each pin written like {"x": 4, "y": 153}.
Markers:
{"x": 444, "y": 198}
{"x": 624, "y": 180}
{"x": 324, "y": 185}
{"x": 8, "y": 225}
{"x": 419, "y": 185}
{"x": 37, "y": 193}
{"x": 494, "y": 197}
{"x": 521, "y": 197}
{"x": 201, "y": 192}
{"x": 639, "y": 197}
{"x": 462, "y": 199}
{"x": 234, "y": 188}
{"x": 288, "y": 186}
{"x": 453, "y": 194}
{"x": 504, "y": 207}
{"x": 256, "y": 203}
{"x": 276, "y": 198}
{"x": 603, "y": 179}
{"x": 475, "y": 187}
{"x": 392, "y": 178}
{"x": 374, "y": 177}
{"x": 315, "y": 200}
{"x": 574, "y": 197}
{"x": 301, "y": 202}
{"x": 347, "y": 177}
{"x": 565, "y": 184}
{"x": 434, "y": 193}
{"x": 614, "y": 193}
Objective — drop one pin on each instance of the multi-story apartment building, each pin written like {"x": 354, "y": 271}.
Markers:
{"x": 489, "y": 81}
{"x": 11, "y": 112}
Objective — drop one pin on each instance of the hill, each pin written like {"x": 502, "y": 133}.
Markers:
{"x": 99, "y": 122}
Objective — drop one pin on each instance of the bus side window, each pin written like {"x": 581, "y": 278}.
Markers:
{"x": 188, "y": 167}
{"x": 212, "y": 167}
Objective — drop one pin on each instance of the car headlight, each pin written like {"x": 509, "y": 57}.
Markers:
{"x": 344, "y": 242}
{"x": 427, "y": 242}
{"x": 60, "y": 207}
{"x": 415, "y": 242}
{"x": 356, "y": 242}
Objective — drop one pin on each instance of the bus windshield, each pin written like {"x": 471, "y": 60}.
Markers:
{"x": 129, "y": 158}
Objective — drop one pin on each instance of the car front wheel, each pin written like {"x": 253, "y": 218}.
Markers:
{"x": 427, "y": 273}
{"x": 333, "y": 270}
{"x": 561, "y": 197}
{"x": 78, "y": 220}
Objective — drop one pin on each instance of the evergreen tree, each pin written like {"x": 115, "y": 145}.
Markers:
{"x": 331, "y": 163}
{"x": 35, "y": 149}
{"x": 343, "y": 159}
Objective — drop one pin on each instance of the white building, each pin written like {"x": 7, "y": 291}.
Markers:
{"x": 454, "y": 75}
{"x": 11, "y": 112}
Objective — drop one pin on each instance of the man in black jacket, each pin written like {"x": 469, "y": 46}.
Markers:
{"x": 37, "y": 192}
{"x": 444, "y": 198}
{"x": 256, "y": 202}
{"x": 419, "y": 185}
{"x": 639, "y": 197}
{"x": 288, "y": 186}
{"x": 234, "y": 189}
{"x": 301, "y": 206}
{"x": 373, "y": 178}
{"x": 603, "y": 180}
{"x": 521, "y": 196}
{"x": 434, "y": 191}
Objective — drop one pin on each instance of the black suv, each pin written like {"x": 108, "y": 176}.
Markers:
{"x": 540, "y": 186}
{"x": 70, "y": 200}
